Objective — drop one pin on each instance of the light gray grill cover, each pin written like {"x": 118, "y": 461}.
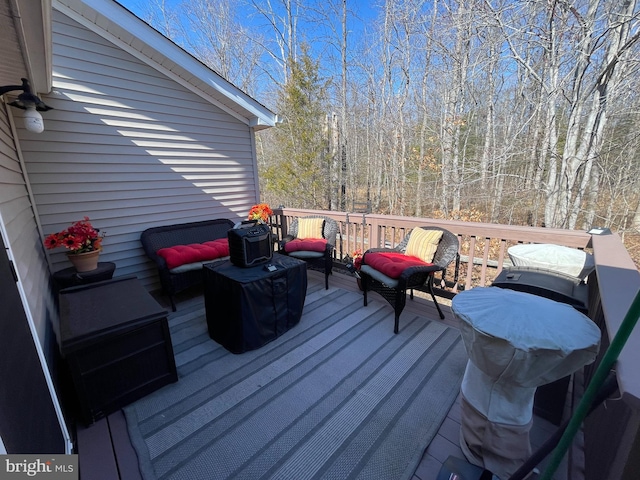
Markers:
{"x": 516, "y": 342}
{"x": 558, "y": 258}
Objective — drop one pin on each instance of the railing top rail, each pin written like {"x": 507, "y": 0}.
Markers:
{"x": 619, "y": 282}
{"x": 514, "y": 233}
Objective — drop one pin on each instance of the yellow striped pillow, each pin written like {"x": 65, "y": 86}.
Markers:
{"x": 423, "y": 244}
{"x": 310, "y": 227}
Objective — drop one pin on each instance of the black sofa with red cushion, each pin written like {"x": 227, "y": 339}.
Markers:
{"x": 180, "y": 250}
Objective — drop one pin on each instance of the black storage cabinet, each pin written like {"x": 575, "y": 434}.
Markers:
{"x": 249, "y": 307}
{"x": 549, "y": 399}
{"x": 116, "y": 341}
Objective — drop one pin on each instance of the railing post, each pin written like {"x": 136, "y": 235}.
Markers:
{"x": 374, "y": 232}
{"x": 364, "y": 237}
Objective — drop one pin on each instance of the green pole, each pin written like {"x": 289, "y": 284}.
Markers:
{"x": 609, "y": 358}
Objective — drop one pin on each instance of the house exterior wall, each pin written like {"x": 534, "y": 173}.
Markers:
{"x": 21, "y": 238}
{"x": 19, "y": 220}
{"x": 131, "y": 148}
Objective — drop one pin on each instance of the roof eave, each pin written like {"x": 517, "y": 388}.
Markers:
{"x": 33, "y": 25}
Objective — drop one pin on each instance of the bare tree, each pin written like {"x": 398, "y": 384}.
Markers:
{"x": 282, "y": 21}
{"x": 522, "y": 110}
{"x": 601, "y": 42}
{"x": 219, "y": 39}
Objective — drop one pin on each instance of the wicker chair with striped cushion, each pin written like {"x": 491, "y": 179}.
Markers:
{"x": 411, "y": 265}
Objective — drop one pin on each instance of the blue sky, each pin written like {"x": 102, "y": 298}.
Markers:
{"x": 361, "y": 12}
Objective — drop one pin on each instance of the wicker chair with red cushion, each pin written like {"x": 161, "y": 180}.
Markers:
{"x": 411, "y": 265}
{"x": 312, "y": 239}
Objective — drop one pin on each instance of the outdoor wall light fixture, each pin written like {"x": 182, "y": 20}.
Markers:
{"x": 31, "y": 104}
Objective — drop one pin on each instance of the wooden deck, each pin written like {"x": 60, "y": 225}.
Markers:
{"x": 105, "y": 451}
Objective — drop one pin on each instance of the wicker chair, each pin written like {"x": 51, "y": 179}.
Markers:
{"x": 416, "y": 277}
{"x": 322, "y": 260}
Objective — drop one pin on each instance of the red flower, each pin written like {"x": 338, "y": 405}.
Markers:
{"x": 354, "y": 261}
{"x": 72, "y": 242}
{"x": 52, "y": 241}
{"x": 260, "y": 212}
{"x": 80, "y": 237}
{"x": 357, "y": 259}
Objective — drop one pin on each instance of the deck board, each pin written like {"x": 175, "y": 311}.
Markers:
{"x": 106, "y": 451}
{"x": 126, "y": 457}
{"x": 96, "y": 459}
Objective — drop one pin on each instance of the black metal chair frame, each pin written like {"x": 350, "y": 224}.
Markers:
{"x": 329, "y": 232}
{"x": 412, "y": 277}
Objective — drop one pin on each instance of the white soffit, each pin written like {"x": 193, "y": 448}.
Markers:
{"x": 116, "y": 24}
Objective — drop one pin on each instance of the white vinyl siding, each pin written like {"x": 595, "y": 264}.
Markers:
{"x": 131, "y": 148}
{"x": 17, "y": 214}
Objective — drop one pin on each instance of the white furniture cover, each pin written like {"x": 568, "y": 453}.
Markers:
{"x": 516, "y": 342}
{"x": 571, "y": 261}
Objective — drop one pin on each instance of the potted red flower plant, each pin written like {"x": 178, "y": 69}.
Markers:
{"x": 83, "y": 241}
{"x": 353, "y": 264}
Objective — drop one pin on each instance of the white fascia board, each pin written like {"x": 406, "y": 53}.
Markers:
{"x": 33, "y": 23}
{"x": 258, "y": 116}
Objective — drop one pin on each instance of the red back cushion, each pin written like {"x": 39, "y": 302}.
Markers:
{"x": 195, "y": 252}
{"x": 392, "y": 264}
{"x": 306, "y": 244}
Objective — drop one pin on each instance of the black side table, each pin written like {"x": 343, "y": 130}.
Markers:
{"x": 70, "y": 277}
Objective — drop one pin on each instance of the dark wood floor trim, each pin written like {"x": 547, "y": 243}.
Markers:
{"x": 105, "y": 451}
{"x": 95, "y": 452}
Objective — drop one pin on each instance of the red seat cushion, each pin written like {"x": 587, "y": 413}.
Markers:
{"x": 392, "y": 264}
{"x": 306, "y": 244}
{"x": 195, "y": 252}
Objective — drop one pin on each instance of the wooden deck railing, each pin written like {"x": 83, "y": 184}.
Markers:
{"x": 611, "y": 433}
{"x": 485, "y": 243}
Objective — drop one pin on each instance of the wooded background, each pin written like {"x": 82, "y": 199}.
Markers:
{"x": 510, "y": 111}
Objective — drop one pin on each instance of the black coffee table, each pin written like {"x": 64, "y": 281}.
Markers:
{"x": 249, "y": 307}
